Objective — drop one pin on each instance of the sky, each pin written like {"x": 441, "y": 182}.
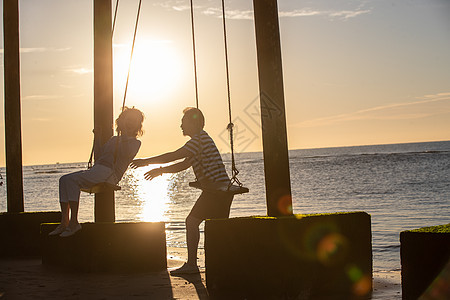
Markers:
{"x": 355, "y": 73}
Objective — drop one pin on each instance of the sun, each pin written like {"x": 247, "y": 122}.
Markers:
{"x": 154, "y": 70}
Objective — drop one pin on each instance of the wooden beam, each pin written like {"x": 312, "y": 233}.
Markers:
{"x": 13, "y": 130}
{"x": 103, "y": 97}
{"x": 273, "y": 117}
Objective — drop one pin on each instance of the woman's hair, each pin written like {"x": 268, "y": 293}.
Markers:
{"x": 195, "y": 116}
{"x": 130, "y": 120}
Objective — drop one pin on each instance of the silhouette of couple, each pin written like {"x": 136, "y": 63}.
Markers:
{"x": 200, "y": 152}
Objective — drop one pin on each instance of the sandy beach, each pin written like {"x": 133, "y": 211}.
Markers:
{"x": 29, "y": 279}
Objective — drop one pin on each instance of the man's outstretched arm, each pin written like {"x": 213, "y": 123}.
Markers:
{"x": 161, "y": 159}
{"x": 183, "y": 165}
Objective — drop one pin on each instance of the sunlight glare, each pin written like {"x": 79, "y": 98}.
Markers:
{"x": 154, "y": 69}
{"x": 152, "y": 195}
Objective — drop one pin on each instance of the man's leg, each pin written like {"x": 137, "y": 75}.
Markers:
{"x": 193, "y": 221}
{"x": 192, "y": 238}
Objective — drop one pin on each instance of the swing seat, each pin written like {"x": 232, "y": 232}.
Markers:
{"x": 101, "y": 187}
{"x": 233, "y": 189}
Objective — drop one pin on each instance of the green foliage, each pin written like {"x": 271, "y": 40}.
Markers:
{"x": 434, "y": 229}
{"x": 298, "y": 216}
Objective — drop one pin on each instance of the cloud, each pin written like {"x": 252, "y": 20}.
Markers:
{"x": 436, "y": 96}
{"x": 40, "y": 97}
{"x": 237, "y": 14}
{"x": 230, "y": 14}
{"x": 305, "y": 12}
{"x": 82, "y": 71}
{"x": 181, "y": 7}
{"x": 40, "y": 50}
{"x": 309, "y": 12}
{"x": 427, "y": 106}
{"x": 178, "y": 5}
{"x": 347, "y": 14}
{"x": 41, "y": 119}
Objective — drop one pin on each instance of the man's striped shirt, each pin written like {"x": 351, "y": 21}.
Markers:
{"x": 206, "y": 160}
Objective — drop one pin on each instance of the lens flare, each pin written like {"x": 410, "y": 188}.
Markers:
{"x": 354, "y": 273}
{"x": 322, "y": 242}
{"x": 319, "y": 242}
{"x": 332, "y": 249}
{"x": 363, "y": 286}
{"x": 362, "y": 283}
{"x": 440, "y": 287}
{"x": 284, "y": 205}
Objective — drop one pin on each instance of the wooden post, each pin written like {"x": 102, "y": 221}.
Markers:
{"x": 13, "y": 130}
{"x": 103, "y": 97}
{"x": 273, "y": 117}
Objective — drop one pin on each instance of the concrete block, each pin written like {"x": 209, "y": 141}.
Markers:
{"x": 107, "y": 247}
{"x": 295, "y": 257}
{"x": 20, "y": 232}
{"x": 424, "y": 254}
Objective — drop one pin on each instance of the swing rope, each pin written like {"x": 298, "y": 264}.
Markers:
{"x": 230, "y": 126}
{"x": 234, "y": 170}
{"x": 115, "y": 17}
{"x": 194, "y": 54}
{"x": 90, "y": 164}
{"x": 131, "y": 55}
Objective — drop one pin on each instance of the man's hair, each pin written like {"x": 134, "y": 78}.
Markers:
{"x": 195, "y": 116}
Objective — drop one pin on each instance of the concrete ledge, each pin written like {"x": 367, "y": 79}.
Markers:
{"x": 303, "y": 256}
{"x": 19, "y": 232}
{"x": 424, "y": 254}
{"x": 121, "y": 247}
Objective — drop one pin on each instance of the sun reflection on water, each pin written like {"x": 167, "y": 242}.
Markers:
{"x": 152, "y": 196}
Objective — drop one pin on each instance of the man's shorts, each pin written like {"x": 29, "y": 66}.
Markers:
{"x": 212, "y": 206}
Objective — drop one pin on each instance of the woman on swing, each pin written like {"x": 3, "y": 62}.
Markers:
{"x": 201, "y": 153}
{"x": 115, "y": 157}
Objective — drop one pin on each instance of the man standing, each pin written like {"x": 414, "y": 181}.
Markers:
{"x": 201, "y": 153}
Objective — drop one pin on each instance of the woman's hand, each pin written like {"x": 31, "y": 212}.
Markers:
{"x": 139, "y": 162}
{"x": 153, "y": 173}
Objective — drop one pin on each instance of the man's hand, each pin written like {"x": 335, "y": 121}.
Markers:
{"x": 139, "y": 162}
{"x": 153, "y": 173}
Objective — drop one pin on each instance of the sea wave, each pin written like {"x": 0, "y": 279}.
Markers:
{"x": 385, "y": 248}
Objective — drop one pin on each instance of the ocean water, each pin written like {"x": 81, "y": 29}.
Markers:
{"x": 402, "y": 186}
